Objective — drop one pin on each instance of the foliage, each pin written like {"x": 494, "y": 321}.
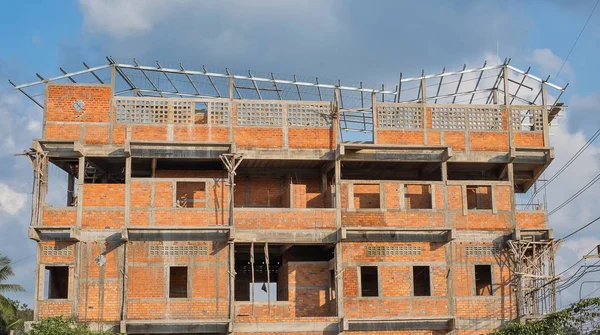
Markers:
{"x": 8, "y": 308}
{"x": 16, "y": 321}
{"x": 60, "y": 326}
{"x": 565, "y": 322}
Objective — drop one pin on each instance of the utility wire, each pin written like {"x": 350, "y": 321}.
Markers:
{"x": 567, "y": 164}
{"x": 574, "y": 196}
{"x": 556, "y": 76}
{"x": 22, "y": 259}
{"x": 579, "y": 261}
{"x": 580, "y": 229}
{"x": 577, "y": 39}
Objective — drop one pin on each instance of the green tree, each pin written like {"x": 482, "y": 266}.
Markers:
{"x": 8, "y": 310}
{"x": 565, "y": 322}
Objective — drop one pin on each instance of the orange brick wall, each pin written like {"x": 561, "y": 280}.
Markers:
{"x": 60, "y": 216}
{"x": 418, "y": 196}
{"x": 488, "y": 141}
{"x": 366, "y": 196}
{"x": 262, "y": 192}
{"x": 400, "y": 137}
{"x": 49, "y": 308}
{"x": 104, "y": 195}
{"x": 392, "y": 219}
{"x": 205, "y": 212}
{"x": 275, "y": 218}
{"x": 307, "y": 138}
{"x": 257, "y": 137}
{"x": 528, "y": 139}
{"x": 93, "y": 219}
{"x": 61, "y": 97}
{"x": 148, "y": 283}
{"x": 532, "y": 219}
{"x": 396, "y": 297}
{"x": 455, "y": 139}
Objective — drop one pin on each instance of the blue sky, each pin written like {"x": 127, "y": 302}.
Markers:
{"x": 350, "y": 40}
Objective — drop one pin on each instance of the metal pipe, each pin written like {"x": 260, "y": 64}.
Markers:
{"x": 459, "y": 81}
{"x": 190, "y": 80}
{"x": 65, "y": 73}
{"x": 275, "y": 84}
{"x": 440, "y": 85}
{"x": 93, "y": 73}
{"x": 211, "y": 81}
{"x": 147, "y": 78}
{"x": 477, "y": 83}
{"x": 255, "y": 86}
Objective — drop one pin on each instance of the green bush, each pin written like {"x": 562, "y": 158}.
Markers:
{"x": 564, "y": 322}
{"x": 60, "y": 326}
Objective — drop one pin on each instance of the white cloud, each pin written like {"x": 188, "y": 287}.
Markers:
{"x": 17, "y": 115}
{"x": 11, "y": 201}
{"x": 550, "y": 63}
{"x": 126, "y": 18}
{"x": 33, "y": 125}
{"x": 582, "y": 246}
{"x": 123, "y": 18}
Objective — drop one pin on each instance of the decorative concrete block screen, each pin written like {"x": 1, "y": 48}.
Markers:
{"x": 399, "y": 116}
{"x": 178, "y": 250}
{"x": 396, "y": 250}
{"x": 170, "y": 111}
{"x": 485, "y": 118}
{"x": 526, "y": 118}
{"x": 482, "y": 250}
{"x": 472, "y": 117}
{"x": 57, "y": 250}
{"x": 313, "y": 114}
{"x": 219, "y": 112}
{"x": 154, "y": 110}
{"x": 260, "y": 114}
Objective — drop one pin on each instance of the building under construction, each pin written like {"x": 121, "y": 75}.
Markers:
{"x": 213, "y": 202}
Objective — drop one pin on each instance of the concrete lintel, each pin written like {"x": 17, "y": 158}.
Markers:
{"x": 479, "y": 157}
{"x": 288, "y": 154}
{"x": 61, "y": 233}
{"x": 482, "y": 235}
{"x": 177, "y": 327}
{"x": 396, "y": 234}
{"x": 399, "y": 153}
{"x": 284, "y": 327}
{"x": 170, "y": 233}
{"x": 58, "y": 148}
{"x": 371, "y": 146}
{"x": 159, "y": 149}
{"x": 295, "y": 236}
{"x": 386, "y": 324}
{"x": 539, "y": 234}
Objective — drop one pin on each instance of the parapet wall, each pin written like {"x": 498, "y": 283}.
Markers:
{"x": 91, "y": 115}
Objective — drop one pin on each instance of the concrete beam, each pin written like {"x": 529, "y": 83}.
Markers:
{"x": 54, "y": 233}
{"x": 286, "y": 327}
{"x": 160, "y": 149}
{"x": 177, "y": 327}
{"x": 288, "y": 154}
{"x": 387, "y": 324}
{"x": 396, "y": 234}
{"x": 292, "y": 236}
{"x": 169, "y": 233}
{"x": 538, "y": 234}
